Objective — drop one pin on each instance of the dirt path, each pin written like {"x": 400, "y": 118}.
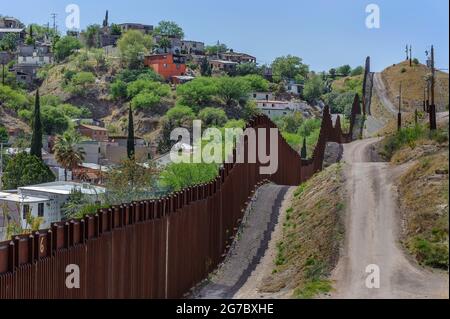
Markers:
{"x": 381, "y": 91}
{"x": 372, "y": 236}
{"x": 249, "y": 257}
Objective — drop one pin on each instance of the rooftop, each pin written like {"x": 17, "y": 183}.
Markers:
{"x": 65, "y": 188}
{"x": 16, "y": 198}
{"x": 93, "y": 127}
{"x": 272, "y": 102}
{"x": 10, "y": 30}
{"x": 224, "y": 61}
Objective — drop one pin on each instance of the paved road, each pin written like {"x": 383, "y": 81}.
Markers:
{"x": 248, "y": 251}
{"x": 380, "y": 89}
{"x": 372, "y": 236}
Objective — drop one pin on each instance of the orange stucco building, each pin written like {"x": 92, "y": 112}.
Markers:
{"x": 166, "y": 65}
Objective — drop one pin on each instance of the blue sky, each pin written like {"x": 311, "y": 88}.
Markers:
{"x": 325, "y": 33}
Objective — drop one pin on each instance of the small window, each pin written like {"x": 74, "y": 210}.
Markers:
{"x": 26, "y": 210}
{"x": 41, "y": 209}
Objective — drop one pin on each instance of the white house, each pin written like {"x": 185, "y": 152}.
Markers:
{"x": 34, "y": 55}
{"x": 279, "y": 108}
{"x": 293, "y": 88}
{"x": 262, "y": 96}
{"x": 44, "y": 200}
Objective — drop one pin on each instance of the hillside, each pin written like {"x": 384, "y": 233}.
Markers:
{"x": 97, "y": 97}
{"x": 413, "y": 84}
{"x": 312, "y": 234}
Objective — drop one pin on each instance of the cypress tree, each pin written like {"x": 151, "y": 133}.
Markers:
{"x": 303, "y": 153}
{"x": 130, "y": 141}
{"x": 36, "y": 139}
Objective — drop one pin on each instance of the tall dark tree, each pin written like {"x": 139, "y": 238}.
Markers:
{"x": 205, "y": 68}
{"x": 130, "y": 141}
{"x": 303, "y": 153}
{"x": 36, "y": 139}
{"x": 105, "y": 21}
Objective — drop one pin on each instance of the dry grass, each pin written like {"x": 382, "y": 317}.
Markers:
{"x": 423, "y": 196}
{"x": 312, "y": 233}
{"x": 413, "y": 83}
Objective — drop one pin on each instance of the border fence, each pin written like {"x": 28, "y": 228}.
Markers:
{"x": 154, "y": 248}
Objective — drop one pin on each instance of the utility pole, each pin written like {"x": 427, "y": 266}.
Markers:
{"x": 432, "y": 108}
{"x": 53, "y": 15}
{"x": 425, "y": 98}
{"x": 410, "y": 55}
{"x": 399, "y": 115}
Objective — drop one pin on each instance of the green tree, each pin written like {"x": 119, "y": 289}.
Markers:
{"x": 165, "y": 44}
{"x": 9, "y": 42}
{"x": 92, "y": 36}
{"x": 290, "y": 123}
{"x": 205, "y": 67}
{"x": 288, "y": 68}
{"x": 65, "y": 46}
{"x": 14, "y": 99}
{"x": 178, "y": 176}
{"x": 83, "y": 79}
{"x": 115, "y": 29}
{"x": 54, "y": 120}
{"x": 4, "y": 136}
{"x": 198, "y": 93}
{"x": 67, "y": 152}
{"x": 314, "y": 88}
{"x": 357, "y": 71}
{"x": 25, "y": 169}
{"x": 344, "y": 70}
{"x": 332, "y": 73}
{"x": 180, "y": 115}
{"x": 169, "y": 29}
{"x": 130, "y": 181}
{"x": 247, "y": 69}
{"x": 36, "y": 139}
{"x": 118, "y": 90}
{"x": 212, "y": 116}
{"x": 215, "y": 49}
{"x": 130, "y": 140}
{"x": 145, "y": 100}
{"x": 232, "y": 90}
{"x": 257, "y": 83}
{"x": 133, "y": 46}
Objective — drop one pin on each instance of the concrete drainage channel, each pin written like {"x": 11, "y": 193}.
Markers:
{"x": 249, "y": 246}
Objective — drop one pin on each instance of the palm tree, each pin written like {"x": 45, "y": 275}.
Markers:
{"x": 67, "y": 153}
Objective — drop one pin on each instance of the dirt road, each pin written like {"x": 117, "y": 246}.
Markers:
{"x": 250, "y": 250}
{"x": 372, "y": 236}
{"x": 381, "y": 91}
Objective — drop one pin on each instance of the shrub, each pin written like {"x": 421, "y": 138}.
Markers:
{"x": 211, "y": 116}
{"x": 430, "y": 253}
{"x": 145, "y": 100}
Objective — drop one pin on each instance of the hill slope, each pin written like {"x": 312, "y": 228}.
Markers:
{"x": 413, "y": 84}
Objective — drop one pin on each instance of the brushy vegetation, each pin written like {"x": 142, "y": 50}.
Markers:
{"x": 312, "y": 234}
{"x": 424, "y": 200}
{"x": 410, "y": 136}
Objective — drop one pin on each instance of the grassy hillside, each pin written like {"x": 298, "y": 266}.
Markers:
{"x": 423, "y": 191}
{"x": 312, "y": 233}
{"x": 413, "y": 83}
